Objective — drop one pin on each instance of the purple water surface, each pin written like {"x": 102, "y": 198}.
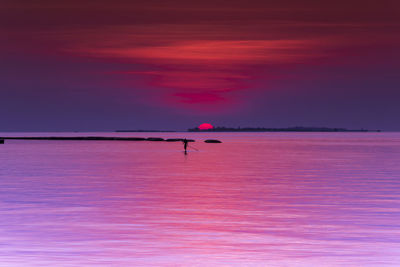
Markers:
{"x": 257, "y": 199}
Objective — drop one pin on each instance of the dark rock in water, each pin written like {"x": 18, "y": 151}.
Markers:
{"x": 155, "y": 139}
{"x": 1, "y": 141}
{"x": 174, "y": 140}
{"x": 212, "y": 141}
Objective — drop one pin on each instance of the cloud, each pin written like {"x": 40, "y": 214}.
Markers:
{"x": 191, "y": 63}
{"x": 201, "y": 54}
{"x": 216, "y": 52}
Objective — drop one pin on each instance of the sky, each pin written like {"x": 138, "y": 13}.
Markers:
{"x": 103, "y": 65}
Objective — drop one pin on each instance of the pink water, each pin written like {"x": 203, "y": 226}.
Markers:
{"x": 257, "y": 199}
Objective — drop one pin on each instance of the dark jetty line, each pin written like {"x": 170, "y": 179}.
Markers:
{"x": 155, "y": 139}
{"x": 94, "y": 138}
{"x": 79, "y": 138}
{"x": 178, "y": 140}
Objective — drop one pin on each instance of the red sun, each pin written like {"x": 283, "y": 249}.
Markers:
{"x": 205, "y": 126}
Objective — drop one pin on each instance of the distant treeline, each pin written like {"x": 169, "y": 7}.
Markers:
{"x": 140, "y": 131}
{"x": 289, "y": 129}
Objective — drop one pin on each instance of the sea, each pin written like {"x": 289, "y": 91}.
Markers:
{"x": 256, "y": 199}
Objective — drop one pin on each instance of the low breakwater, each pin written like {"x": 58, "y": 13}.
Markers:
{"x": 95, "y": 138}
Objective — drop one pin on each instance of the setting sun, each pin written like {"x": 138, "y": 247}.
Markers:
{"x": 205, "y": 126}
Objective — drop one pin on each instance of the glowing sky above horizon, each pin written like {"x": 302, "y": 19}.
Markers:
{"x": 106, "y": 65}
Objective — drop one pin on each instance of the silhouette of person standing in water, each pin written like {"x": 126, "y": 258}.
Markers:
{"x": 185, "y": 144}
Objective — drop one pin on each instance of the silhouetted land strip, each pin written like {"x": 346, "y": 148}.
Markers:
{"x": 78, "y": 138}
{"x": 94, "y": 138}
{"x": 178, "y": 140}
{"x": 289, "y": 129}
{"x": 144, "y": 131}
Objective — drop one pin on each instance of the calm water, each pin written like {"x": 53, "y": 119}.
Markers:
{"x": 258, "y": 199}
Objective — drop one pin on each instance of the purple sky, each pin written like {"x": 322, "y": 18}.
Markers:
{"x": 106, "y": 65}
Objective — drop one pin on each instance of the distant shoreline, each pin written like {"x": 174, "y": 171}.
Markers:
{"x": 145, "y": 131}
{"x": 289, "y": 129}
{"x": 251, "y": 129}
